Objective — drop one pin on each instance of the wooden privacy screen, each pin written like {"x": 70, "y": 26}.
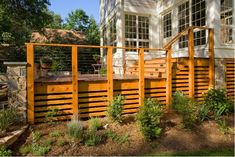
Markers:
{"x": 92, "y": 97}
{"x": 230, "y": 77}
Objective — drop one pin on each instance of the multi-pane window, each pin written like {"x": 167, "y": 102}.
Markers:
{"x": 226, "y": 18}
{"x": 197, "y": 18}
{"x": 136, "y": 31}
{"x": 112, "y": 31}
{"x": 183, "y": 19}
{"x": 167, "y": 28}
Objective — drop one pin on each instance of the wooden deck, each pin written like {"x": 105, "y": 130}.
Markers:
{"x": 89, "y": 95}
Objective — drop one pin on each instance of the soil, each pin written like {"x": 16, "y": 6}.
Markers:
{"x": 174, "y": 138}
{"x": 11, "y": 129}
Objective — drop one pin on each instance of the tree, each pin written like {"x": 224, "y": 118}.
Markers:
{"x": 19, "y": 18}
{"x": 57, "y": 22}
{"x": 78, "y": 20}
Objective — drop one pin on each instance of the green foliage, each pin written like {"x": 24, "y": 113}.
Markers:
{"x": 215, "y": 104}
{"x": 119, "y": 139}
{"x": 39, "y": 150}
{"x": 96, "y": 57}
{"x": 223, "y": 126}
{"x": 24, "y": 150}
{"x": 36, "y": 136}
{"x": 61, "y": 142}
{"x": 186, "y": 107}
{"x": 56, "y": 133}
{"x": 115, "y": 109}
{"x": 50, "y": 115}
{"x": 148, "y": 118}
{"x": 75, "y": 129}
{"x": 7, "y": 117}
{"x": 94, "y": 124}
{"x": 5, "y": 152}
{"x": 103, "y": 71}
{"x": 92, "y": 139}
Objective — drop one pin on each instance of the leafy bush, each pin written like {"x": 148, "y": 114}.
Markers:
{"x": 92, "y": 139}
{"x": 7, "y": 117}
{"x": 50, "y": 115}
{"x": 75, "y": 129}
{"x": 148, "y": 118}
{"x": 55, "y": 133}
{"x": 94, "y": 124}
{"x": 186, "y": 107}
{"x": 115, "y": 109}
{"x": 5, "y": 152}
{"x": 215, "y": 104}
{"x": 38, "y": 150}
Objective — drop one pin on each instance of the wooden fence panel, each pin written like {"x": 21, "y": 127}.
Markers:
{"x": 230, "y": 78}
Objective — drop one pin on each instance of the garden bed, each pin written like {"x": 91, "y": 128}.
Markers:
{"x": 126, "y": 139}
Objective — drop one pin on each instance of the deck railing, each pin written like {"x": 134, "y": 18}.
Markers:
{"x": 110, "y": 80}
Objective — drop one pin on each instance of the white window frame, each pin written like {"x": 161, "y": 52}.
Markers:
{"x": 165, "y": 17}
{"x": 136, "y": 39}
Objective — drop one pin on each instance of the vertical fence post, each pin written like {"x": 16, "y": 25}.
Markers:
{"x": 191, "y": 62}
{"x": 211, "y": 58}
{"x": 141, "y": 77}
{"x": 75, "y": 80}
{"x": 30, "y": 82}
{"x": 169, "y": 78}
{"x": 110, "y": 73}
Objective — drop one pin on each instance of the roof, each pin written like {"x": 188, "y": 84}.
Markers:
{"x": 58, "y": 36}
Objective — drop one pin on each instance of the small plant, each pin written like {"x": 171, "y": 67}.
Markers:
{"x": 5, "y": 152}
{"x": 115, "y": 109}
{"x": 223, "y": 126}
{"x": 92, "y": 139}
{"x": 103, "y": 71}
{"x": 55, "y": 133}
{"x": 50, "y": 115}
{"x": 148, "y": 119}
{"x": 94, "y": 124}
{"x": 24, "y": 150}
{"x": 215, "y": 104}
{"x": 75, "y": 129}
{"x": 46, "y": 62}
{"x": 61, "y": 142}
{"x": 96, "y": 57}
{"x": 38, "y": 150}
{"x": 119, "y": 139}
{"x": 36, "y": 136}
{"x": 123, "y": 139}
{"x": 7, "y": 117}
{"x": 112, "y": 135}
{"x": 187, "y": 108}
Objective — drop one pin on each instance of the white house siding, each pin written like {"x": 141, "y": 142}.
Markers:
{"x": 155, "y": 10}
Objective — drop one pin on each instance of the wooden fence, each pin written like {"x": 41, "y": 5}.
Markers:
{"x": 85, "y": 98}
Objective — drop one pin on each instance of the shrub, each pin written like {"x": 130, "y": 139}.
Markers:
{"x": 36, "y": 136}
{"x": 7, "y": 117}
{"x": 5, "y": 152}
{"x": 50, "y": 115}
{"x": 75, "y": 129}
{"x": 92, "y": 139}
{"x": 186, "y": 107}
{"x": 94, "y": 124}
{"x": 215, "y": 104}
{"x": 115, "y": 109}
{"x": 55, "y": 133}
{"x": 38, "y": 150}
{"x": 148, "y": 119}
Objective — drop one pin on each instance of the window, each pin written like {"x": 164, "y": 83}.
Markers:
{"x": 112, "y": 31}
{"x": 167, "y": 28}
{"x": 198, "y": 18}
{"x": 136, "y": 31}
{"x": 183, "y": 19}
{"x": 226, "y": 18}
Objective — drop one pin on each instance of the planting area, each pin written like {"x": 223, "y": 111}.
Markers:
{"x": 126, "y": 139}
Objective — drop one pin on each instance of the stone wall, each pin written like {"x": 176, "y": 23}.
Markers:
{"x": 16, "y": 78}
{"x": 220, "y": 73}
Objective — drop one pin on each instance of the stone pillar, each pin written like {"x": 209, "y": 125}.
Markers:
{"x": 16, "y": 78}
{"x": 220, "y": 73}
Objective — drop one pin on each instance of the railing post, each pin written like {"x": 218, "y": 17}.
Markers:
{"x": 191, "y": 62}
{"x": 211, "y": 58}
{"x": 169, "y": 79}
{"x": 110, "y": 73}
{"x": 75, "y": 80}
{"x": 141, "y": 77}
{"x": 30, "y": 83}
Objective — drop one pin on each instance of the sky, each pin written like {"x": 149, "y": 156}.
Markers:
{"x": 63, "y": 7}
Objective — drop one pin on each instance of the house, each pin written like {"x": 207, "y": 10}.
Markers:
{"x": 153, "y": 23}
